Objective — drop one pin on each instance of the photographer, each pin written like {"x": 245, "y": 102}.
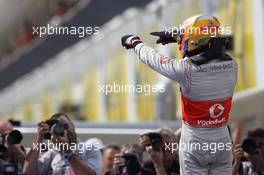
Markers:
{"x": 108, "y": 157}
{"x": 129, "y": 162}
{"x": 249, "y": 157}
{"x": 66, "y": 157}
{"x": 163, "y": 161}
{"x": 12, "y": 154}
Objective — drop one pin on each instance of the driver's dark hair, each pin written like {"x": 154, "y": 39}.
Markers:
{"x": 257, "y": 133}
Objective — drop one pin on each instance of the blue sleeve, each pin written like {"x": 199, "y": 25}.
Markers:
{"x": 92, "y": 157}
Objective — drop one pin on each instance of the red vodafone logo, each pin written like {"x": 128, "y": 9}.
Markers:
{"x": 216, "y": 110}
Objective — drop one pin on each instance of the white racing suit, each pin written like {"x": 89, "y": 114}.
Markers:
{"x": 207, "y": 90}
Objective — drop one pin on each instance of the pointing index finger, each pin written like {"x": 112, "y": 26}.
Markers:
{"x": 157, "y": 33}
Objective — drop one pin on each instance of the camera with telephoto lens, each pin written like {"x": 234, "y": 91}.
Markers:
{"x": 250, "y": 146}
{"x": 14, "y": 137}
{"x": 156, "y": 140}
{"x": 55, "y": 128}
{"x": 131, "y": 163}
{"x": 10, "y": 168}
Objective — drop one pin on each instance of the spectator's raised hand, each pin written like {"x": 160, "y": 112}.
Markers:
{"x": 119, "y": 161}
{"x": 238, "y": 151}
{"x": 155, "y": 156}
{"x": 157, "y": 159}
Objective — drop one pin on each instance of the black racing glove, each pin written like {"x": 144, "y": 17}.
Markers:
{"x": 130, "y": 41}
{"x": 165, "y": 37}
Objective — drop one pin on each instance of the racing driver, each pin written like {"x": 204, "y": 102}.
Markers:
{"x": 207, "y": 78}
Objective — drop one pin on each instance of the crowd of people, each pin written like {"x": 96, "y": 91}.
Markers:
{"x": 25, "y": 35}
{"x": 149, "y": 156}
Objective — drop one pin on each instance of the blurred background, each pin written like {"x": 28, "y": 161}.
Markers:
{"x": 40, "y": 76}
